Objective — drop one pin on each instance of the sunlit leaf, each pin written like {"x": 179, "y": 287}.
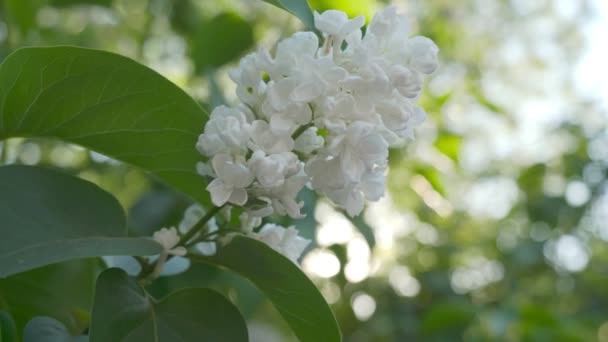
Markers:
{"x": 449, "y": 145}
{"x": 288, "y": 288}
{"x": 107, "y": 103}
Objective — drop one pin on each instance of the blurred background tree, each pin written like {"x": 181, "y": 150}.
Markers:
{"x": 496, "y": 219}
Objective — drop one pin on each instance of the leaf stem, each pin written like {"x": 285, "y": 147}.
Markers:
{"x": 149, "y": 272}
{"x": 198, "y": 226}
{"x": 301, "y": 130}
{"x": 205, "y": 237}
{"x": 153, "y": 272}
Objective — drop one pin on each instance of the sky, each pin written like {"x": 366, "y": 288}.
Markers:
{"x": 592, "y": 70}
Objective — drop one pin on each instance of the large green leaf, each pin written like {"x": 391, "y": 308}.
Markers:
{"x": 299, "y": 8}
{"x": 123, "y": 311}
{"x": 288, "y": 288}
{"x": 62, "y": 291}
{"x": 107, "y": 103}
{"x": 48, "y": 217}
{"x": 49, "y": 330}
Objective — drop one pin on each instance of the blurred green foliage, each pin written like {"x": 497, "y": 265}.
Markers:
{"x": 491, "y": 233}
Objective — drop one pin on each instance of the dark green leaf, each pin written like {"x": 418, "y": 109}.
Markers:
{"x": 292, "y": 293}
{"x": 107, "y": 103}
{"x": 48, "y": 217}
{"x": 299, "y": 8}
{"x": 8, "y": 332}
{"x": 49, "y": 330}
{"x": 123, "y": 311}
{"x": 220, "y": 40}
{"x": 62, "y": 291}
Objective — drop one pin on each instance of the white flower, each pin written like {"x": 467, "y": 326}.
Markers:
{"x": 315, "y": 77}
{"x": 326, "y": 173}
{"x": 206, "y": 247}
{"x": 191, "y": 216}
{"x": 368, "y": 88}
{"x": 422, "y": 53}
{"x": 352, "y": 198}
{"x": 248, "y": 78}
{"x": 271, "y": 170}
{"x": 265, "y": 139}
{"x": 287, "y": 121}
{"x": 328, "y": 178}
{"x": 227, "y": 131}
{"x": 233, "y": 176}
{"x": 283, "y": 240}
{"x": 249, "y": 221}
{"x": 284, "y": 197}
{"x": 204, "y": 169}
{"x": 336, "y": 26}
{"x": 407, "y": 82}
{"x": 168, "y": 238}
{"x": 387, "y": 25}
{"x": 289, "y": 52}
{"x": 399, "y": 118}
{"x": 359, "y": 149}
{"x": 308, "y": 141}
{"x": 279, "y": 93}
{"x": 358, "y": 90}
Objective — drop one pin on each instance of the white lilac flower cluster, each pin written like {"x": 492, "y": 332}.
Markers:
{"x": 284, "y": 240}
{"x": 322, "y": 115}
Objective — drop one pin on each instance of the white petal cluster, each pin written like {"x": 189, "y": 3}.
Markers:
{"x": 283, "y": 240}
{"x": 317, "y": 113}
{"x": 168, "y": 238}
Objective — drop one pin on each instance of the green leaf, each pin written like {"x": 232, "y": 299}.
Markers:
{"x": 299, "y": 8}
{"x": 123, "y": 311}
{"x": 62, "y": 291}
{"x": 449, "y": 145}
{"x": 288, "y": 288}
{"x": 107, "y": 103}
{"x": 220, "y": 40}
{"x": 49, "y": 330}
{"x": 48, "y": 217}
{"x": 447, "y": 318}
{"x": 352, "y": 8}
{"x": 8, "y": 331}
